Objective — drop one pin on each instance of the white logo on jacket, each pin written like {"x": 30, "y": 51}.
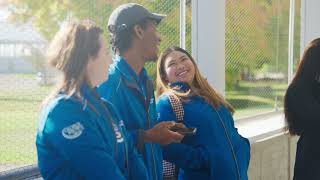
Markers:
{"x": 73, "y": 131}
{"x": 118, "y": 133}
{"x": 151, "y": 100}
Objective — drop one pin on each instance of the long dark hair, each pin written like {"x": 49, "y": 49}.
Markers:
{"x": 306, "y": 75}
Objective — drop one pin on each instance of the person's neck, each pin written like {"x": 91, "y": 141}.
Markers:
{"x": 134, "y": 59}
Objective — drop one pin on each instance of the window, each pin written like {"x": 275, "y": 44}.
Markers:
{"x": 256, "y": 47}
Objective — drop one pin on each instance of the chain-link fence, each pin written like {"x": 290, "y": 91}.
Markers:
{"x": 256, "y": 58}
{"x": 257, "y": 53}
{"x": 26, "y": 28}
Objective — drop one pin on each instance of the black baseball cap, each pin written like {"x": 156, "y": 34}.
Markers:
{"x": 127, "y": 15}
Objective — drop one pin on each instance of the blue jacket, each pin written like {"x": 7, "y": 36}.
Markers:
{"x": 133, "y": 96}
{"x": 208, "y": 154}
{"x": 82, "y": 138}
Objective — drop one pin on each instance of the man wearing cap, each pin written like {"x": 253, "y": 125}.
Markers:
{"x": 135, "y": 40}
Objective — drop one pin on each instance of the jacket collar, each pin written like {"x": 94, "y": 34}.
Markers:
{"x": 88, "y": 92}
{"x": 127, "y": 71}
{"x": 90, "y": 98}
{"x": 180, "y": 86}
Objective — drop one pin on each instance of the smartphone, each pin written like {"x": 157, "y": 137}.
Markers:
{"x": 184, "y": 131}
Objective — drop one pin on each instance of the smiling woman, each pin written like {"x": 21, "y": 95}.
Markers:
{"x": 216, "y": 150}
{"x": 179, "y": 67}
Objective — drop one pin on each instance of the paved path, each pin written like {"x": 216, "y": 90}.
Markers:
{"x": 5, "y": 167}
{"x": 11, "y": 81}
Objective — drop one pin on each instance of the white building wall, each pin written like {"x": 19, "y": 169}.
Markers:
{"x": 310, "y": 26}
{"x": 208, "y": 40}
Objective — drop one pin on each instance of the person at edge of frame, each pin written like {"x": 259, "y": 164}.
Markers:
{"x": 302, "y": 113}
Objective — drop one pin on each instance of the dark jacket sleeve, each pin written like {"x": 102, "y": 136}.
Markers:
{"x": 83, "y": 146}
{"x": 305, "y": 107}
{"x": 185, "y": 156}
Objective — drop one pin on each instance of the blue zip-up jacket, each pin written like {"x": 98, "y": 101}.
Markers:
{"x": 82, "y": 138}
{"x": 133, "y": 96}
{"x": 208, "y": 154}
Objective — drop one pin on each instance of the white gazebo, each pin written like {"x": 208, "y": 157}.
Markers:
{"x": 16, "y": 44}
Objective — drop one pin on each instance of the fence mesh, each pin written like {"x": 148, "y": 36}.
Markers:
{"x": 27, "y": 27}
{"x": 256, "y": 57}
{"x": 257, "y": 53}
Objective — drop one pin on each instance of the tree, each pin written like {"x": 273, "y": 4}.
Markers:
{"x": 246, "y": 45}
{"x": 257, "y": 36}
{"x": 251, "y": 28}
{"x": 47, "y": 16}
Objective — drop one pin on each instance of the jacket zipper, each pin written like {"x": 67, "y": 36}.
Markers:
{"x": 135, "y": 87}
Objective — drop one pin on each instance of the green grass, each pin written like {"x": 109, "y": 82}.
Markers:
{"x": 20, "y": 107}
{"x": 273, "y": 85}
{"x": 251, "y": 98}
{"x": 241, "y": 113}
{"x": 26, "y": 75}
{"x": 18, "y": 122}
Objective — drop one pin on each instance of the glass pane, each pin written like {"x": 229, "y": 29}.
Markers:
{"x": 257, "y": 54}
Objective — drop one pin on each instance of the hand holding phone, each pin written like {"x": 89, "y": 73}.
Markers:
{"x": 184, "y": 130}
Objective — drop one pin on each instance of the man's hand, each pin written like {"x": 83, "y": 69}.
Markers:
{"x": 161, "y": 133}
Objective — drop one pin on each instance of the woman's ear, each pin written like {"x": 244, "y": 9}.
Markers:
{"x": 138, "y": 31}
